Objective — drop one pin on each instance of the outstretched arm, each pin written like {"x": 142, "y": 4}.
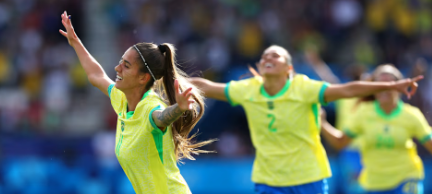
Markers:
{"x": 211, "y": 89}
{"x": 166, "y": 117}
{"x": 93, "y": 69}
{"x": 364, "y": 88}
{"x": 334, "y": 137}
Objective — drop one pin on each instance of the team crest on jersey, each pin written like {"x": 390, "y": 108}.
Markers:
{"x": 122, "y": 125}
{"x": 270, "y": 105}
{"x": 386, "y": 128}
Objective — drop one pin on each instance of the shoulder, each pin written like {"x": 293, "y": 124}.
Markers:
{"x": 364, "y": 109}
{"x": 300, "y": 77}
{"x": 303, "y": 80}
{"x": 257, "y": 80}
{"x": 150, "y": 102}
{"x": 411, "y": 110}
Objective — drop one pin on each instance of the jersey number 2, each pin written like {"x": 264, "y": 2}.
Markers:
{"x": 270, "y": 126}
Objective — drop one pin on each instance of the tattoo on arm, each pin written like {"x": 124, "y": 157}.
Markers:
{"x": 166, "y": 117}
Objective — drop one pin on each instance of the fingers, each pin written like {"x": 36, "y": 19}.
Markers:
{"x": 414, "y": 87}
{"x": 186, "y": 92}
{"x": 66, "y": 20}
{"x": 187, "y": 96}
{"x": 63, "y": 33}
{"x": 418, "y": 78}
{"x": 176, "y": 86}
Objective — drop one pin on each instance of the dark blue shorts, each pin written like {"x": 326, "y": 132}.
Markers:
{"x": 407, "y": 187}
{"x": 318, "y": 187}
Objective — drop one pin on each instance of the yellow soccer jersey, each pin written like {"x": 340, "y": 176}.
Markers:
{"x": 285, "y": 130}
{"x": 388, "y": 152}
{"x": 145, "y": 153}
{"x": 344, "y": 110}
{"x": 344, "y": 113}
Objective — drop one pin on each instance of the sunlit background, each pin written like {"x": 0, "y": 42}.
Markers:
{"x": 57, "y": 132}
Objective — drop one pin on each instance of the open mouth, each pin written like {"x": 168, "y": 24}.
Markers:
{"x": 118, "y": 78}
{"x": 268, "y": 65}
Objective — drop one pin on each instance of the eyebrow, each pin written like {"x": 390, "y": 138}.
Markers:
{"x": 127, "y": 61}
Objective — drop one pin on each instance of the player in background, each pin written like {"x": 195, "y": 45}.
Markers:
{"x": 150, "y": 137}
{"x": 349, "y": 158}
{"x": 283, "y": 116}
{"x": 386, "y": 127}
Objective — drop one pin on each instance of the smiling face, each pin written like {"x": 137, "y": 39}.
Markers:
{"x": 128, "y": 72}
{"x": 274, "y": 62}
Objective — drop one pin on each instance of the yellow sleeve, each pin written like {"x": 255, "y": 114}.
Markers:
{"x": 235, "y": 91}
{"x": 117, "y": 98}
{"x": 148, "y": 113}
{"x": 354, "y": 127}
{"x": 421, "y": 129}
{"x": 312, "y": 91}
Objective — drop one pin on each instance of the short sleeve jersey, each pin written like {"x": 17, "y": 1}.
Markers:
{"x": 285, "y": 130}
{"x": 388, "y": 152}
{"x": 145, "y": 153}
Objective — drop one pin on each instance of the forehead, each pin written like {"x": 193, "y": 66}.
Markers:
{"x": 130, "y": 55}
{"x": 274, "y": 50}
{"x": 386, "y": 76}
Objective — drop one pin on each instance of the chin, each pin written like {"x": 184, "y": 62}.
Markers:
{"x": 270, "y": 74}
{"x": 118, "y": 86}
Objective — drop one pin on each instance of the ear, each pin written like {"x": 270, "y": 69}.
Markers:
{"x": 144, "y": 78}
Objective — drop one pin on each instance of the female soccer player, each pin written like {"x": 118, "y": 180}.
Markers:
{"x": 150, "y": 137}
{"x": 386, "y": 126}
{"x": 283, "y": 116}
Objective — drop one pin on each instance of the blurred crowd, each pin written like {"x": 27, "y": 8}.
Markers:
{"x": 44, "y": 92}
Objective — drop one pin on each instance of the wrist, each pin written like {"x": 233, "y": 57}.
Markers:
{"x": 180, "y": 109}
{"x": 74, "y": 42}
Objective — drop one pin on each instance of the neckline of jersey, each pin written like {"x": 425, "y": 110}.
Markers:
{"x": 393, "y": 113}
{"x": 129, "y": 114}
{"x": 280, "y": 93}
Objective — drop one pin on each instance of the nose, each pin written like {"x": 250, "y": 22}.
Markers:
{"x": 117, "y": 68}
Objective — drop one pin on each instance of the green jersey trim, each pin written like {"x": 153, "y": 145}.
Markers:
{"x": 349, "y": 133}
{"x": 157, "y": 134}
{"x": 227, "y": 95}
{"x": 280, "y": 93}
{"x": 425, "y": 139}
{"x": 321, "y": 93}
{"x": 393, "y": 114}
{"x": 110, "y": 87}
{"x": 315, "y": 111}
{"x": 131, "y": 113}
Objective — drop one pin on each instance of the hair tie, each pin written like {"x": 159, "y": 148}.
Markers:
{"x": 162, "y": 48}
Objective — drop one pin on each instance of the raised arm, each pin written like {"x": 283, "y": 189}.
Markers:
{"x": 93, "y": 69}
{"x": 320, "y": 67}
{"x": 211, "y": 89}
{"x": 166, "y": 117}
{"x": 334, "y": 137}
{"x": 365, "y": 88}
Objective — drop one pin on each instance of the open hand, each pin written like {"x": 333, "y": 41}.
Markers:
{"x": 70, "y": 32}
{"x": 405, "y": 84}
{"x": 183, "y": 99}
